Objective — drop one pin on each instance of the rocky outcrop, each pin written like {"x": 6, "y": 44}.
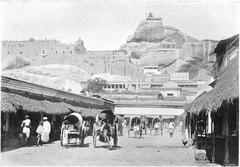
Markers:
{"x": 149, "y": 43}
{"x": 149, "y": 32}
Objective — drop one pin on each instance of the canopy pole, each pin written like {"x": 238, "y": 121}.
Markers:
{"x": 213, "y": 139}
{"x": 7, "y": 121}
{"x": 226, "y": 118}
{"x": 209, "y": 123}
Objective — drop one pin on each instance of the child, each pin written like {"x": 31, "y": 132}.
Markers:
{"x": 39, "y": 133}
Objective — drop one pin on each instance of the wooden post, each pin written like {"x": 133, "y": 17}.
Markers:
{"x": 237, "y": 114}
{"x": 213, "y": 139}
{"x": 190, "y": 124}
{"x": 195, "y": 131}
{"x": 7, "y": 121}
{"x": 209, "y": 123}
{"x": 205, "y": 122}
{"x": 226, "y": 119}
{"x": 53, "y": 118}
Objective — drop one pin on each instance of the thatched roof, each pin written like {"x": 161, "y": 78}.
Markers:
{"x": 7, "y": 106}
{"x": 223, "y": 46}
{"x": 198, "y": 104}
{"x": 10, "y": 102}
{"x": 226, "y": 89}
{"x": 86, "y": 112}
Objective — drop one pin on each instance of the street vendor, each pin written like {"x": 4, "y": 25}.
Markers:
{"x": 46, "y": 130}
{"x": 26, "y": 128}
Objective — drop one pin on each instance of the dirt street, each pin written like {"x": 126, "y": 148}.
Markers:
{"x": 151, "y": 150}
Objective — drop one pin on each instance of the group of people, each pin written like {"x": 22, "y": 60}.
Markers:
{"x": 158, "y": 126}
{"x": 137, "y": 129}
{"x": 43, "y": 130}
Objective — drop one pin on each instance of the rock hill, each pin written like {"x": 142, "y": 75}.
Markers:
{"x": 167, "y": 47}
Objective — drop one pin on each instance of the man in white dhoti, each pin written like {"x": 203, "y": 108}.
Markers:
{"x": 46, "y": 130}
{"x": 26, "y": 128}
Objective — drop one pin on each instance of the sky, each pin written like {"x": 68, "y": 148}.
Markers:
{"x": 105, "y": 24}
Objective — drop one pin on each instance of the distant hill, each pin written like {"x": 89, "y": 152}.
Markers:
{"x": 62, "y": 77}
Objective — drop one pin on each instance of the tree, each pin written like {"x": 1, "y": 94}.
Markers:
{"x": 95, "y": 85}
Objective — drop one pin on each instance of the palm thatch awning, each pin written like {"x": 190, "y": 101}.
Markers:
{"x": 226, "y": 89}
{"x": 86, "y": 112}
{"x": 41, "y": 93}
{"x": 7, "y": 106}
{"x": 11, "y": 102}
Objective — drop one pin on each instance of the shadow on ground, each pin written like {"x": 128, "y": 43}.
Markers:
{"x": 152, "y": 146}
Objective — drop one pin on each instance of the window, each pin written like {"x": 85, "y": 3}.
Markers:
{"x": 43, "y": 52}
{"x": 8, "y": 52}
{"x": 117, "y": 86}
{"x": 112, "y": 86}
{"x": 168, "y": 46}
{"x": 70, "y": 52}
{"x": 188, "y": 86}
{"x": 120, "y": 86}
{"x": 63, "y": 52}
{"x": 21, "y": 52}
{"x": 56, "y": 51}
{"x": 124, "y": 86}
{"x": 109, "y": 86}
{"x": 169, "y": 94}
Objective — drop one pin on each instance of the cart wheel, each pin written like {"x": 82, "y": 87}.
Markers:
{"x": 94, "y": 136}
{"x": 82, "y": 137}
{"x": 108, "y": 142}
{"x": 82, "y": 140}
{"x": 115, "y": 136}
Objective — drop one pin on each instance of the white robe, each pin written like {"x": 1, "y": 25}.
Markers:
{"x": 46, "y": 131}
{"x": 25, "y": 124}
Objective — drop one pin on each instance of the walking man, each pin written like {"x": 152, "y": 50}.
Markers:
{"x": 161, "y": 128}
{"x": 46, "y": 130}
{"x": 26, "y": 128}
